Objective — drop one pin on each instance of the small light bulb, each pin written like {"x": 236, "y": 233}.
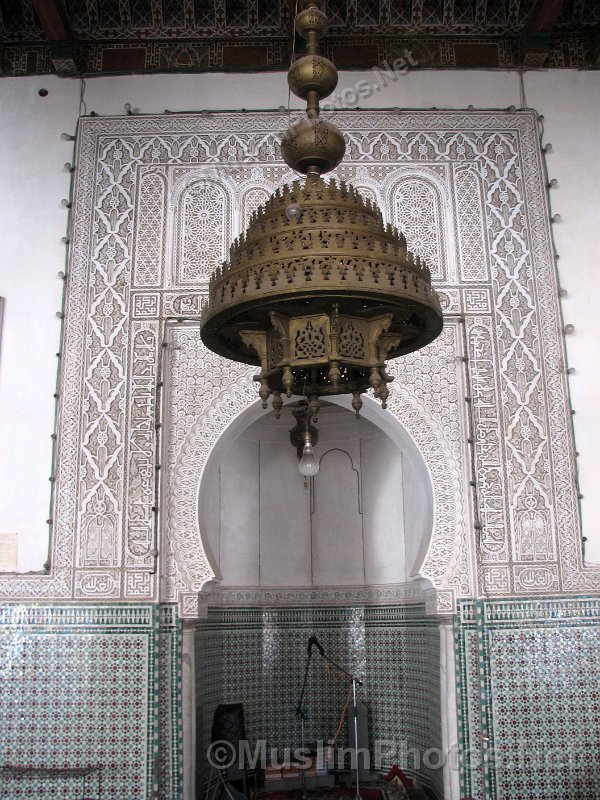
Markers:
{"x": 309, "y": 464}
{"x": 293, "y": 212}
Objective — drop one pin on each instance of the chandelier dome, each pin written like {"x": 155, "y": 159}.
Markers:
{"x": 319, "y": 299}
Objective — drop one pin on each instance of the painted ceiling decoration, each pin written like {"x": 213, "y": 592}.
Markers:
{"x": 69, "y": 37}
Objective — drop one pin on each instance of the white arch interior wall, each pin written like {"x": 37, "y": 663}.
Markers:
{"x": 365, "y": 519}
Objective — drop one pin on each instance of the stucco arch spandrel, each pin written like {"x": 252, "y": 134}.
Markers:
{"x": 188, "y": 567}
{"x": 445, "y": 563}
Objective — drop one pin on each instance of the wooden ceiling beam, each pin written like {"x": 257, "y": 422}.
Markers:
{"x": 536, "y": 46}
{"x": 546, "y": 15}
{"x": 59, "y": 36}
{"x": 51, "y": 19}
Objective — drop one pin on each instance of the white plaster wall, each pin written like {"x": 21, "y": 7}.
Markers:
{"x": 384, "y": 486}
{"x": 417, "y": 508}
{"x": 32, "y": 183}
{"x": 239, "y": 543}
{"x": 285, "y": 556}
{"x": 338, "y": 538}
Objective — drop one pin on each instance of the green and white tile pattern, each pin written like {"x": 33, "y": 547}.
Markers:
{"x": 257, "y": 656}
{"x": 80, "y": 688}
{"x": 529, "y": 698}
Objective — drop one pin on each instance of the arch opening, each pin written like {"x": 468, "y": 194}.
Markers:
{"x": 365, "y": 520}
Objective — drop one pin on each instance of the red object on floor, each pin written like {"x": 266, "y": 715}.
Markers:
{"x": 396, "y": 774}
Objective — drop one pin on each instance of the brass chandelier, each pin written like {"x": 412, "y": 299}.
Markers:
{"x": 319, "y": 292}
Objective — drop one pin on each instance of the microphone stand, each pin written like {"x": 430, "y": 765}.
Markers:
{"x": 299, "y": 710}
{"x": 302, "y": 714}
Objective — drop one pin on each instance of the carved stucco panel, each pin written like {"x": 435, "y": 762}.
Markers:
{"x": 141, "y": 445}
{"x": 417, "y": 212}
{"x": 470, "y": 220}
{"x": 204, "y": 394}
{"x": 150, "y": 228}
{"x": 431, "y": 378}
{"x": 520, "y": 304}
{"x": 487, "y": 440}
{"x": 203, "y": 231}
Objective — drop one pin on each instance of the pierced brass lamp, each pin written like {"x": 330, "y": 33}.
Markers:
{"x": 319, "y": 292}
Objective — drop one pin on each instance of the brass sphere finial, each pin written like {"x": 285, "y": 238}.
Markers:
{"x": 312, "y": 74}
{"x": 311, "y": 20}
{"x": 310, "y": 3}
{"x": 313, "y": 143}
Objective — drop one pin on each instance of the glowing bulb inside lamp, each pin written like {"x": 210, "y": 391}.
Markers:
{"x": 309, "y": 464}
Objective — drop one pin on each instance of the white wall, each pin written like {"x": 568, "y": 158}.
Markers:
{"x": 385, "y": 482}
{"x": 32, "y": 183}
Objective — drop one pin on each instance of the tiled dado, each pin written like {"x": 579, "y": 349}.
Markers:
{"x": 529, "y": 698}
{"x": 86, "y": 686}
{"x": 257, "y": 656}
{"x": 170, "y": 728}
